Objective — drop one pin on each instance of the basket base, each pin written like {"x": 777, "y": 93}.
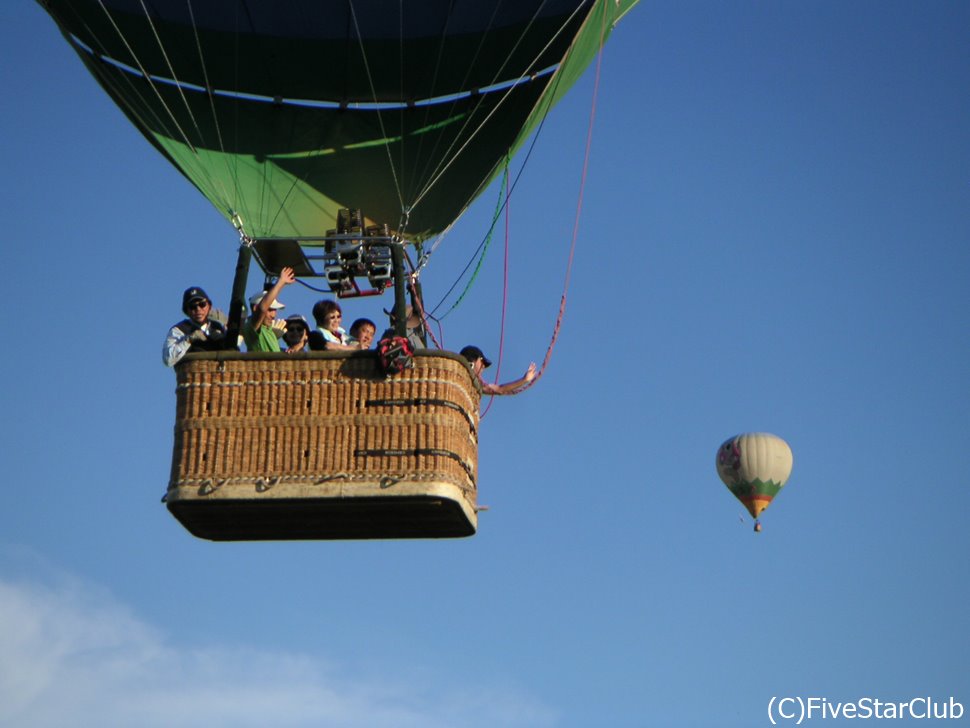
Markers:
{"x": 322, "y": 445}
{"x": 388, "y": 517}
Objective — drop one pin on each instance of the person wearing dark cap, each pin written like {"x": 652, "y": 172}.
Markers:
{"x": 479, "y": 363}
{"x": 199, "y": 332}
{"x": 258, "y": 331}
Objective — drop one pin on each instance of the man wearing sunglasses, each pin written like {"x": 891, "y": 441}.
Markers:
{"x": 198, "y": 332}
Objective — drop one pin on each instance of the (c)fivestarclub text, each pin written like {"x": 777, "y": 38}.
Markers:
{"x": 797, "y": 709}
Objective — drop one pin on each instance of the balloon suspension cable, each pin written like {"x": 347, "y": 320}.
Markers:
{"x": 483, "y": 245}
{"x": 504, "y": 198}
{"x": 380, "y": 115}
{"x": 502, "y": 202}
{"x": 174, "y": 127}
{"x": 452, "y": 154}
{"x": 505, "y": 299}
{"x": 579, "y": 207}
{"x": 425, "y": 256}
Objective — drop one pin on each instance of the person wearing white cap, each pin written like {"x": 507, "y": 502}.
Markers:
{"x": 258, "y": 332}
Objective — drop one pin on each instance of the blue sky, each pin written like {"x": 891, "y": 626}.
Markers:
{"x": 774, "y": 237}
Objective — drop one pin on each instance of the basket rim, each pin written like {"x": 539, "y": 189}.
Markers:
{"x": 232, "y": 355}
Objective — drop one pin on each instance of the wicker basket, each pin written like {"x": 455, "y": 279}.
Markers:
{"x": 323, "y": 446}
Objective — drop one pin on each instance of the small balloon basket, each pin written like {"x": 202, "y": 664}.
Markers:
{"x": 323, "y": 445}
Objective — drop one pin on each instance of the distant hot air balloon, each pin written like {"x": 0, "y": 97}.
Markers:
{"x": 754, "y": 466}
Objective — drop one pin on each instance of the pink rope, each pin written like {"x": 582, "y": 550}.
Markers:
{"x": 579, "y": 207}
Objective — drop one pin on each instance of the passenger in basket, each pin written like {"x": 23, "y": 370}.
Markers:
{"x": 258, "y": 331}
{"x": 296, "y": 334}
{"x": 330, "y": 335}
{"x": 362, "y": 332}
{"x": 414, "y": 326}
{"x": 201, "y": 331}
{"x": 479, "y": 362}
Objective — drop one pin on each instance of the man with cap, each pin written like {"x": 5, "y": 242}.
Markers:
{"x": 479, "y": 363}
{"x": 198, "y": 332}
{"x": 258, "y": 331}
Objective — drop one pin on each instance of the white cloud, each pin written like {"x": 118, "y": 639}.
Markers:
{"x": 70, "y": 654}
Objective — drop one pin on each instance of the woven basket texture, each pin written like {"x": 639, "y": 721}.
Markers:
{"x": 310, "y": 418}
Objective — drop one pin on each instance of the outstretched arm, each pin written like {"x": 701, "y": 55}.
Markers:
{"x": 511, "y": 387}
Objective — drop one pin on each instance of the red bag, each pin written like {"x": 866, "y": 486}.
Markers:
{"x": 395, "y": 354}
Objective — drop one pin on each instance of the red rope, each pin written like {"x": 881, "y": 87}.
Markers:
{"x": 572, "y": 247}
{"x": 579, "y": 207}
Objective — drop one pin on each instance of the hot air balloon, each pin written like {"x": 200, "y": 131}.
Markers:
{"x": 334, "y": 137}
{"x": 754, "y": 466}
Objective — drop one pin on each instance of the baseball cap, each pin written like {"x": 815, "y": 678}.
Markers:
{"x": 254, "y": 301}
{"x": 298, "y": 320}
{"x": 471, "y": 353}
{"x": 193, "y": 294}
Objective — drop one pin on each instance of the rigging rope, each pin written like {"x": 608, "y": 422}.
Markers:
{"x": 148, "y": 77}
{"x": 442, "y": 168}
{"x": 380, "y": 116}
{"x": 451, "y": 154}
{"x": 488, "y": 235}
{"x": 579, "y": 207}
{"x": 500, "y": 203}
{"x": 168, "y": 121}
{"x": 205, "y": 77}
